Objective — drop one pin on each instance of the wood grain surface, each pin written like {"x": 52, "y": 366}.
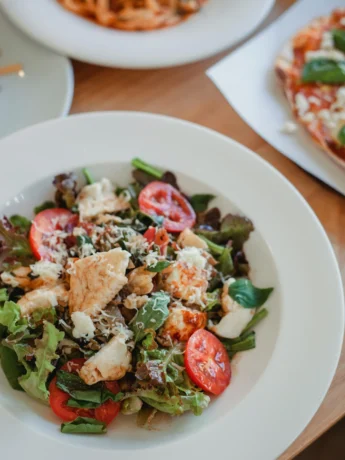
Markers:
{"x": 185, "y": 92}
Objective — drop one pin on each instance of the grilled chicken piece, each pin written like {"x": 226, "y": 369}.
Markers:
{"x": 95, "y": 280}
{"x": 43, "y": 298}
{"x": 140, "y": 281}
{"x": 99, "y": 198}
{"x": 188, "y": 238}
{"x": 110, "y": 363}
{"x": 182, "y": 322}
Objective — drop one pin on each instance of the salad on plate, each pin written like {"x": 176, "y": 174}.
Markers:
{"x": 127, "y": 299}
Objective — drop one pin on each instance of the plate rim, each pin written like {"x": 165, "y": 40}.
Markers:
{"x": 257, "y": 158}
{"x": 19, "y": 22}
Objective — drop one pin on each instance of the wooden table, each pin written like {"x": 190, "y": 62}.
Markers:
{"x": 185, "y": 92}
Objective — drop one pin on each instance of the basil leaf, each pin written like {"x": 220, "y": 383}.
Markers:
{"x": 339, "y": 39}
{"x": 84, "y": 425}
{"x": 11, "y": 367}
{"x": 325, "y": 71}
{"x": 225, "y": 265}
{"x": 200, "y": 202}
{"x": 247, "y": 295}
{"x": 151, "y": 316}
{"x": 44, "y": 206}
{"x": 82, "y": 404}
{"x": 79, "y": 390}
{"x": 341, "y": 135}
{"x": 20, "y": 222}
{"x": 87, "y": 175}
{"x": 83, "y": 239}
{"x": 160, "y": 266}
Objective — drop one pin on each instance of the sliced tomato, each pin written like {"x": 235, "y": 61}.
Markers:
{"x": 161, "y": 199}
{"x": 44, "y": 224}
{"x": 58, "y": 399}
{"x": 110, "y": 409}
{"x": 159, "y": 237}
{"x": 207, "y": 362}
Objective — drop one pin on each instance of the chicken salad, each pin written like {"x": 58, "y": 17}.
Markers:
{"x": 128, "y": 300}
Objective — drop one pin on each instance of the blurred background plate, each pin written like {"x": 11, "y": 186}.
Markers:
{"x": 45, "y": 90}
{"x": 219, "y": 25}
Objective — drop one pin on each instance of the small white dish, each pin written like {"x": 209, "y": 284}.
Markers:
{"x": 219, "y": 25}
{"x": 276, "y": 388}
{"x": 45, "y": 91}
{"x": 260, "y": 101}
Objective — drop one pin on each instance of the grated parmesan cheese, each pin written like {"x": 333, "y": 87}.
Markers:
{"x": 46, "y": 269}
{"x": 192, "y": 257}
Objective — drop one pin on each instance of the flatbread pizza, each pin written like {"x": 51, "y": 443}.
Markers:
{"x": 311, "y": 70}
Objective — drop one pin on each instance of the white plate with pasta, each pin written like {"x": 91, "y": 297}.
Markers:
{"x": 118, "y": 33}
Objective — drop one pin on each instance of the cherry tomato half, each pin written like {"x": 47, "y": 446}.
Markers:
{"x": 207, "y": 362}
{"x": 58, "y": 399}
{"x": 44, "y": 224}
{"x": 161, "y": 199}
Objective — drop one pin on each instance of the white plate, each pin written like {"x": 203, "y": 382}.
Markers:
{"x": 277, "y": 387}
{"x": 46, "y": 90}
{"x": 260, "y": 101}
{"x": 220, "y": 24}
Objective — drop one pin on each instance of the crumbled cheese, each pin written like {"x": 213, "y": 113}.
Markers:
{"x": 289, "y": 127}
{"x": 302, "y": 104}
{"x": 83, "y": 326}
{"x": 79, "y": 231}
{"x": 327, "y": 42}
{"x": 314, "y": 100}
{"x": 309, "y": 117}
{"x": 335, "y": 55}
{"x": 151, "y": 259}
{"x": 192, "y": 256}
{"x": 46, "y": 269}
{"x": 86, "y": 250}
{"x": 340, "y": 98}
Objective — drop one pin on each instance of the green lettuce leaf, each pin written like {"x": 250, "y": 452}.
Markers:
{"x": 11, "y": 366}
{"x": 10, "y": 317}
{"x": 20, "y": 222}
{"x": 34, "y": 381}
{"x": 233, "y": 227}
{"x": 84, "y": 425}
{"x": 3, "y": 295}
